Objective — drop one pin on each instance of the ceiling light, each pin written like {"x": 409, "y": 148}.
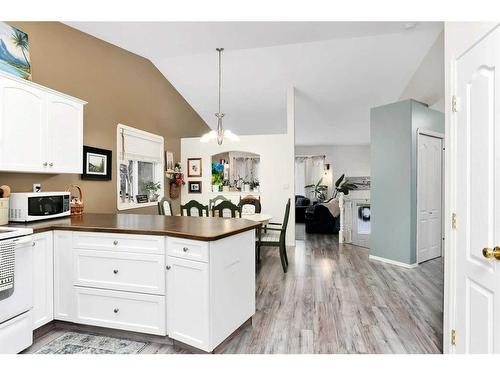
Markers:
{"x": 220, "y": 134}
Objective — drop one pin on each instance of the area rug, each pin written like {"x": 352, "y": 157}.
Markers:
{"x": 82, "y": 343}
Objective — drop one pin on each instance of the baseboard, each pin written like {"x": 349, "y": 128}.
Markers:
{"x": 393, "y": 262}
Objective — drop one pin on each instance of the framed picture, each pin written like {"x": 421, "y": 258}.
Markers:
{"x": 194, "y": 167}
{"x": 96, "y": 163}
{"x": 194, "y": 187}
{"x": 169, "y": 161}
{"x": 14, "y": 52}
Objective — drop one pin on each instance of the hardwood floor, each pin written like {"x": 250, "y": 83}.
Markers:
{"x": 333, "y": 300}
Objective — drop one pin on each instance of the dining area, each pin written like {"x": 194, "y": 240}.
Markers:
{"x": 269, "y": 235}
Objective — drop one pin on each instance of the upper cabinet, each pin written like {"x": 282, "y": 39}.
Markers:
{"x": 41, "y": 130}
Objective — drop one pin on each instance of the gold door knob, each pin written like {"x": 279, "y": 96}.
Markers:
{"x": 491, "y": 253}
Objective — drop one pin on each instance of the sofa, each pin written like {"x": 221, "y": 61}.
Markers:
{"x": 301, "y": 204}
{"x": 319, "y": 219}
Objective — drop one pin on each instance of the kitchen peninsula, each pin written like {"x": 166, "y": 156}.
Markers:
{"x": 189, "y": 278}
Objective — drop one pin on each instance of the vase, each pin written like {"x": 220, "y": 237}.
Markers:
{"x": 174, "y": 190}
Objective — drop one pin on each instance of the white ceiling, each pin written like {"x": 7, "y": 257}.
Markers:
{"x": 339, "y": 69}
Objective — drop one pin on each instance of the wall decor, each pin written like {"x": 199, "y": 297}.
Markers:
{"x": 194, "y": 187}
{"x": 362, "y": 182}
{"x": 14, "y": 52}
{"x": 169, "y": 161}
{"x": 96, "y": 163}
{"x": 194, "y": 167}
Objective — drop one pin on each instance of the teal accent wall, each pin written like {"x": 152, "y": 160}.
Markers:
{"x": 393, "y": 130}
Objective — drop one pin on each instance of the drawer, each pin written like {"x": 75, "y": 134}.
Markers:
{"x": 130, "y": 272}
{"x": 116, "y": 241}
{"x": 187, "y": 249}
{"x": 16, "y": 334}
{"x": 121, "y": 310}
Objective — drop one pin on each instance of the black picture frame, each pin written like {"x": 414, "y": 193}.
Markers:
{"x": 194, "y": 187}
{"x": 105, "y": 156}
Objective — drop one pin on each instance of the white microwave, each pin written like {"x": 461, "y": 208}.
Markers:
{"x": 39, "y": 206}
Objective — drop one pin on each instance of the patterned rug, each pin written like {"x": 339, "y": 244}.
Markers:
{"x": 82, "y": 343}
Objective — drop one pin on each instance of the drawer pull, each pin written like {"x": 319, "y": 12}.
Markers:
{"x": 115, "y": 242}
{"x": 116, "y": 311}
{"x": 115, "y": 271}
{"x": 185, "y": 249}
{"x": 168, "y": 267}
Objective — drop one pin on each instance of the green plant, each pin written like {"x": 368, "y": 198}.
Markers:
{"x": 20, "y": 40}
{"x": 342, "y": 186}
{"x": 152, "y": 186}
{"x": 320, "y": 191}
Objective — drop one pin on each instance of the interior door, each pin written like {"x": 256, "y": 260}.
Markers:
{"x": 429, "y": 197}
{"x": 478, "y": 199}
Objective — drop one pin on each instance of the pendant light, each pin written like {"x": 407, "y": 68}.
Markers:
{"x": 220, "y": 133}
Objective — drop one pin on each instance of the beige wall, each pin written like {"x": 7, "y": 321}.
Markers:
{"x": 120, "y": 87}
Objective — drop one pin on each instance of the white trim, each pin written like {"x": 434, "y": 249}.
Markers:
{"x": 430, "y": 133}
{"x": 393, "y": 262}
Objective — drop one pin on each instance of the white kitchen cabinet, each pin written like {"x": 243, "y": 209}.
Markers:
{"x": 23, "y": 127}
{"x": 188, "y": 315}
{"x": 64, "y": 135}
{"x": 41, "y": 130}
{"x": 63, "y": 276}
{"x": 43, "y": 281}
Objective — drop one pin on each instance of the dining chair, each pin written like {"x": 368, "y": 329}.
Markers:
{"x": 275, "y": 236}
{"x": 165, "y": 207}
{"x": 250, "y": 205}
{"x": 226, "y": 206}
{"x": 197, "y": 206}
{"x": 212, "y": 202}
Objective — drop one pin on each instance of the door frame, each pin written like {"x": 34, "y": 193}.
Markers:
{"x": 441, "y": 136}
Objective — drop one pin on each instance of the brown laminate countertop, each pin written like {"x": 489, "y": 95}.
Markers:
{"x": 196, "y": 228}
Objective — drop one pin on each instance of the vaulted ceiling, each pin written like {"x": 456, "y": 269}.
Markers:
{"x": 339, "y": 69}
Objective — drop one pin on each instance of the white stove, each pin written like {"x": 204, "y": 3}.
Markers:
{"x": 16, "y": 289}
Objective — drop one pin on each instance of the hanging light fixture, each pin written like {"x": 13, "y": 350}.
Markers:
{"x": 220, "y": 133}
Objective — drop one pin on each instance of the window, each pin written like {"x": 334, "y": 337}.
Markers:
{"x": 140, "y": 162}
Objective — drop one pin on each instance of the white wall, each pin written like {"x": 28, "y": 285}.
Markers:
{"x": 276, "y": 171}
{"x": 427, "y": 83}
{"x": 349, "y": 160}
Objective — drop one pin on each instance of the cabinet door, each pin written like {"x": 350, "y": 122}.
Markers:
{"x": 23, "y": 119}
{"x": 187, "y": 302}
{"x": 64, "y": 135}
{"x": 43, "y": 284}
{"x": 63, "y": 276}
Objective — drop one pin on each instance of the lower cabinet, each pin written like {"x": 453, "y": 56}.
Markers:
{"x": 63, "y": 276}
{"x": 188, "y": 302}
{"x": 43, "y": 281}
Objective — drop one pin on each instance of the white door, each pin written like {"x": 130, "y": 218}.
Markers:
{"x": 23, "y": 112}
{"x": 429, "y": 197}
{"x": 43, "y": 282}
{"x": 64, "y": 135}
{"x": 187, "y": 302}
{"x": 478, "y": 198}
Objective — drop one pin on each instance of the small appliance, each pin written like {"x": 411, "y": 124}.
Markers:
{"x": 39, "y": 206}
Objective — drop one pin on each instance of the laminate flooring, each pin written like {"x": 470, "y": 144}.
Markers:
{"x": 332, "y": 300}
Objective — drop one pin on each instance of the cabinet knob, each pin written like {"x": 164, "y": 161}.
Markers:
{"x": 45, "y": 164}
{"x": 115, "y": 242}
{"x": 116, "y": 311}
{"x": 168, "y": 267}
{"x": 51, "y": 164}
{"x": 115, "y": 271}
{"x": 33, "y": 244}
{"x": 185, "y": 249}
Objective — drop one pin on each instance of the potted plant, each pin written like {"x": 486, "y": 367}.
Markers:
{"x": 176, "y": 180}
{"x": 342, "y": 186}
{"x": 152, "y": 187}
{"x": 319, "y": 190}
{"x": 254, "y": 185}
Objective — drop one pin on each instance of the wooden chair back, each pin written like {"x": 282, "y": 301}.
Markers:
{"x": 165, "y": 207}
{"x": 212, "y": 202}
{"x": 250, "y": 200}
{"x": 225, "y": 206}
{"x": 186, "y": 209}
